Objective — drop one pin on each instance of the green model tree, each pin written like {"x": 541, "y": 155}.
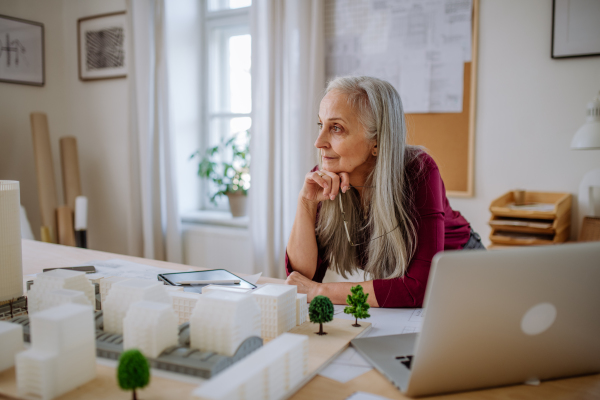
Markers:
{"x": 358, "y": 305}
{"x": 320, "y": 311}
{"x": 133, "y": 371}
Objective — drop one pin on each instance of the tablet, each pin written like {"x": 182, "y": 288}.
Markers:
{"x": 174, "y": 278}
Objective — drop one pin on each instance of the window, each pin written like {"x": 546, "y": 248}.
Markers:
{"x": 228, "y": 98}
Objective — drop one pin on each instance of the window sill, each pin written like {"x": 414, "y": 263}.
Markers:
{"x": 214, "y": 218}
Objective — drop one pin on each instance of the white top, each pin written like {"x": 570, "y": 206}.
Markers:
{"x": 274, "y": 290}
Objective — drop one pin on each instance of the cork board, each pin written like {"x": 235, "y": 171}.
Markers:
{"x": 449, "y": 137}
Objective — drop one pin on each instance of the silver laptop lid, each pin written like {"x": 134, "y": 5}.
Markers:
{"x": 508, "y": 316}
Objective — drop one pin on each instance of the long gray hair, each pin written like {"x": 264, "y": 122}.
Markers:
{"x": 386, "y": 206}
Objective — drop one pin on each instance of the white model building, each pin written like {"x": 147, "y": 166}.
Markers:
{"x": 106, "y": 284}
{"x": 183, "y": 304}
{"x": 210, "y": 288}
{"x": 11, "y": 343}
{"x": 62, "y": 354}
{"x": 301, "y": 308}
{"x": 123, "y": 294}
{"x": 278, "y": 309}
{"x": 58, "y": 279}
{"x": 269, "y": 373}
{"x": 170, "y": 288}
{"x": 150, "y": 327}
{"x": 62, "y": 296}
{"x": 222, "y": 320}
{"x": 11, "y": 266}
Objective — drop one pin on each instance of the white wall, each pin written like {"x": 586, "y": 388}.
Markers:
{"x": 529, "y": 106}
{"x": 97, "y": 115}
{"x": 18, "y": 101}
{"x": 94, "y": 112}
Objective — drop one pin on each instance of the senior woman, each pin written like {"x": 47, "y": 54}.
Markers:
{"x": 373, "y": 202}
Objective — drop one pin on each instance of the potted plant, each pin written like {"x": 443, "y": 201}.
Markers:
{"x": 227, "y": 165}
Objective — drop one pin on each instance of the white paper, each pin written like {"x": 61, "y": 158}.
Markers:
{"x": 347, "y": 366}
{"x": 431, "y": 80}
{"x": 251, "y": 278}
{"x": 365, "y": 396}
{"x": 455, "y": 26}
{"x": 126, "y": 269}
{"x": 419, "y": 47}
{"x": 384, "y": 321}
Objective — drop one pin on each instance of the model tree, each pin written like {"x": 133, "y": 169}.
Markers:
{"x": 133, "y": 371}
{"x": 320, "y": 311}
{"x": 357, "y": 302}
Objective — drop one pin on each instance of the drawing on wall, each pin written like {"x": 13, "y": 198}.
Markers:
{"x": 419, "y": 47}
{"x": 102, "y": 42}
{"x": 21, "y": 51}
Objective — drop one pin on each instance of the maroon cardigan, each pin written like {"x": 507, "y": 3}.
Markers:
{"x": 438, "y": 228}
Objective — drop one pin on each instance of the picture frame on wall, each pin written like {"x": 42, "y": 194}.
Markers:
{"x": 575, "y": 28}
{"x": 102, "y": 46}
{"x": 21, "y": 51}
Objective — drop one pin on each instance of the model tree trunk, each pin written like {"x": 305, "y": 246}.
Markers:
{"x": 134, "y": 395}
{"x": 356, "y": 322}
{"x": 320, "y": 329}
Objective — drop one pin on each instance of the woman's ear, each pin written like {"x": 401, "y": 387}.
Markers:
{"x": 374, "y": 151}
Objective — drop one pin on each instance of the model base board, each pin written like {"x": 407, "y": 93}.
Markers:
{"x": 321, "y": 350}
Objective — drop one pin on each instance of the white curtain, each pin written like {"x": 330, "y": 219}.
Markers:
{"x": 288, "y": 79}
{"x": 153, "y": 227}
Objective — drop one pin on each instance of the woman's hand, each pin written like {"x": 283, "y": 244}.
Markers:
{"x": 324, "y": 185}
{"x": 305, "y": 285}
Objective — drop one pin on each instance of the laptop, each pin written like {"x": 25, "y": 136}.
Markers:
{"x": 499, "y": 317}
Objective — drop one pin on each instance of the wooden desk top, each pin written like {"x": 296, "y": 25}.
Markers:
{"x": 38, "y": 255}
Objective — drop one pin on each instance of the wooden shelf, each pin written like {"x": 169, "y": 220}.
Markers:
{"x": 545, "y": 219}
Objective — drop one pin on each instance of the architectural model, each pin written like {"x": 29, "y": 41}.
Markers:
{"x": 123, "y": 294}
{"x": 271, "y": 372}
{"x": 301, "y": 308}
{"x": 62, "y": 296}
{"x": 180, "y": 359}
{"x": 278, "y": 309}
{"x": 63, "y": 352}
{"x": 11, "y": 339}
{"x": 211, "y": 288}
{"x": 11, "y": 269}
{"x": 106, "y": 284}
{"x": 150, "y": 327}
{"x": 57, "y": 279}
{"x": 11, "y": 309}
{"x": 183, "y": 304}
{"x": 222, "y": 320}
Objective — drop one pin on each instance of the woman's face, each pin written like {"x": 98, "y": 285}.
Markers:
{"x": 342, "y": 139}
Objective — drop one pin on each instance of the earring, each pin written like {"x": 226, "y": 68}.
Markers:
{"x": 375, "y": 153}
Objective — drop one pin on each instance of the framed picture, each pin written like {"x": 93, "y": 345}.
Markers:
{"x": 21, "y": 51}
{"x": 575, "y": 28}
{"x": 102, "y": 46}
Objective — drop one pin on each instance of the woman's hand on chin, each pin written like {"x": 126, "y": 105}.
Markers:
{"x": 324, "y": 185}
{"x": 305, "y": 285}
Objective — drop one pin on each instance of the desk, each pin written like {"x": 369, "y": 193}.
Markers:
{"x": 38, "y": 255}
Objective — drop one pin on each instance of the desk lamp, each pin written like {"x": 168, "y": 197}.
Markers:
{"x": 588, "y": 138}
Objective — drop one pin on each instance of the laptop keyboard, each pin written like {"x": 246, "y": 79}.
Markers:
{"x": 405, "y": 360}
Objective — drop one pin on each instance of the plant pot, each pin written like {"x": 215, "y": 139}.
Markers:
{"x": 237, "y": 203}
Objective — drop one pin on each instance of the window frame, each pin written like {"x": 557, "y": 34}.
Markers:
{"x": 237, "y": 17}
